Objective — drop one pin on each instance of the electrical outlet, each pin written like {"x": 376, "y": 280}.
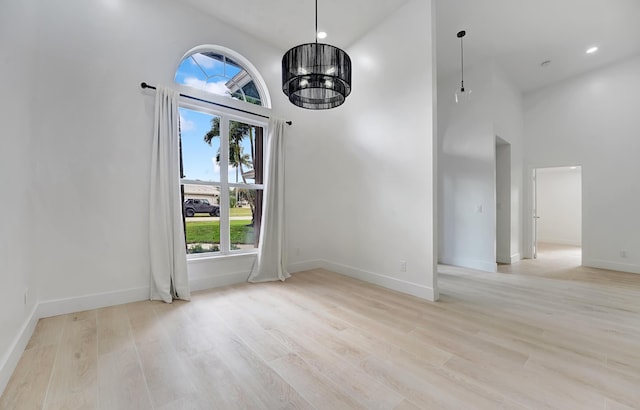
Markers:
{"x": 403, "y": 266}
{"x": 298, "y": 252}
{"x": 623, "y": 253}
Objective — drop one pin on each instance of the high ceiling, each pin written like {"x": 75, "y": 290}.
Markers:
{"x": 521, "y": 34}
{"x": 518, "y": 34}
{"x": 288, "y": 23}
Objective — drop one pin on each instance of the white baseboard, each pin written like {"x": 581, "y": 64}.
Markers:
{"x": 561, "y": 241}
{"x": 516, "y": 258}
{"x": 485, "y": 266}
{"x": 218, "y": 281}
{"x": 11, "y": 359}
{"x": 410, "y": 288}
{"x": 304, "y": 266}
{"x": 414, "y": 289}
{"x": 601, "y": 264}
{"x": 96, "y": 301}
{"x": 100, "y": 300}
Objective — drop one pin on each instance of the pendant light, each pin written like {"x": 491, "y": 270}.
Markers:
{"x": 462, "y": 94}
{"x": 316, "y": 76}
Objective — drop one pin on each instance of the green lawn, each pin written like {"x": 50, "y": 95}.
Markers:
{"x": 240, "y": 211}
{"x": 232, "y": 212}
{"x": 209, "y": 231}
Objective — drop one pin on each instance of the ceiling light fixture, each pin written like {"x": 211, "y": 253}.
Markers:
{"x": 462, "y": 94}
{"x": 316, "y": 76}
{"x": 592, "y": 50}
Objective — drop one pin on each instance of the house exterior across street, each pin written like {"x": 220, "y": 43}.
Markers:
{"x": 193, "y": 191}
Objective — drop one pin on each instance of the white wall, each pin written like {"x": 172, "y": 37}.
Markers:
{"x": 92, "y": 137}
{"x": 467, "y": 182}
{"x": 371, "y": 162}
{"x": 17, "y": 230}
{"x": 466, "y": 173}
{"x": 76, "y": 143}
{"x": 508, "y": 122}
{"x": 559, "y": 205}
{"x": 593, "y": 121}
{"x": 83, "y": 155}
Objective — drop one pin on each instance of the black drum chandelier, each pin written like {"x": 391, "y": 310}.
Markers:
{"x": 316, "y": 76}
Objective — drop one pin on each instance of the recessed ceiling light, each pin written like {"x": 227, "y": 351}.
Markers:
{"x": 322, "y": 34}
{"x": 592, "y": 50}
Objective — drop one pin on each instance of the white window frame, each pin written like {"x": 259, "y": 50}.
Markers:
{"x": 249, "y": 68}
{"x": 226, "y": 115}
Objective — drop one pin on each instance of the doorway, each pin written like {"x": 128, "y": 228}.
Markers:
{"x": 557, "y": 213}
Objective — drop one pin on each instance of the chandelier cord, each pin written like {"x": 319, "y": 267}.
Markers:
{"x": 316, "y": 34}
{"x": 461, "y": 65}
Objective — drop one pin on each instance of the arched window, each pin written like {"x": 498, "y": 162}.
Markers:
{"x": 222, "y": 153}
{"x": 221, "y": 71}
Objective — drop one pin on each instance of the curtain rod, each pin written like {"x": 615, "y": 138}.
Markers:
{"x": 145, "y": 85}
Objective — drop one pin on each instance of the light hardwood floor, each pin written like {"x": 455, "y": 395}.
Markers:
{"x": 531, "y": 337}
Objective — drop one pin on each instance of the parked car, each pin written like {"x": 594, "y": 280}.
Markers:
{"x": 199, "y": 206}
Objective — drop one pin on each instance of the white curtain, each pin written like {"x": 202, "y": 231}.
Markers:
{"x": 169, "y": 279}
{"x": 271, "y": 262}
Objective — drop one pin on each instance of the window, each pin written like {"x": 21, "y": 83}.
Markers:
{"x": 222, "y": 203}
{"x": 222, "y": 153}
{"x": 213, "y": 70}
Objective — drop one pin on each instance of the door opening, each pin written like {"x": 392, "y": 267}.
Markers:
{"x": 557, "y": 212}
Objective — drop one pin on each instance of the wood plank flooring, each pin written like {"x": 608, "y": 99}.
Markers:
{"x": 531, "y": 337}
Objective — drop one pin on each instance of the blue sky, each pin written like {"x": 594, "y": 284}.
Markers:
{"x": 205, "y": 73}
{"x": 200, "y": 158}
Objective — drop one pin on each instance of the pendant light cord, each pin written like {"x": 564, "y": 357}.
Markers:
{"x": 461, "y": 66}
{"x": 316, "y": 34}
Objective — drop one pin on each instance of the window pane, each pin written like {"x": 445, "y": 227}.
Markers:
{"x": 210, "y": 63}
{"x": 245, "y": 218}
{"x": 245, "y": 153}
{"x": 218, "y": 74}
{"x": 189, "y": 74}
{"x": 200, "y": 134}
{"x": 202, "y": 218}
{"x": 207, "y": 196}
{"x": 251, "y": 93}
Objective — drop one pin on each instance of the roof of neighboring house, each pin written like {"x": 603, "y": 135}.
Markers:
{"x": 193, "y": 189}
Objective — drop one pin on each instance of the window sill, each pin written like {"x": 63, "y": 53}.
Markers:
{"x": 205, "y": 257}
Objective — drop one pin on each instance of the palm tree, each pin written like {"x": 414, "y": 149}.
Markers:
{"x": 237, "y": 157}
